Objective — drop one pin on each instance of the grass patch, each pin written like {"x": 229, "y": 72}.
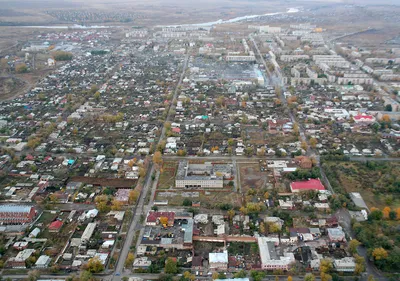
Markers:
{"x": 167, "y": 176}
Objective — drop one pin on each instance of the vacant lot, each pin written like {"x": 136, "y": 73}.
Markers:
{"x": 167, "y": 176}
{"x": 378, "y": 182}
{"x": 251, "y": 177}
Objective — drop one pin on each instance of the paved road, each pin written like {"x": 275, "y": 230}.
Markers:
{"x": 142, "y": 208}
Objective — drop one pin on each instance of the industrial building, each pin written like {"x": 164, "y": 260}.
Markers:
{"x": 207, "y": 175}
{"x": 16, "y": 214}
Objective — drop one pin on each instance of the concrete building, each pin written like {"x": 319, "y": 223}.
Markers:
{"x": 237, "y": 58}
{"x": 270, "y": 260}
{"x": 331, "y": 60}
{"x": 16, "y": 214}
{"x": 344, "y": 265}
{"x": 290, "y": 58}
{"x": 218, "y": 261}
{"x": 355, "y": 78}
{"x": 207, "y": 175}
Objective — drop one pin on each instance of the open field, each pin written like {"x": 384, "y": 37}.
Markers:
{"x": 167, "y": 176}
{"x": 378, "y": 183}
{"x": 251, "y": 177}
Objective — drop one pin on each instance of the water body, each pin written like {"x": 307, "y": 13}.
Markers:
{"x": 237, "y": 19}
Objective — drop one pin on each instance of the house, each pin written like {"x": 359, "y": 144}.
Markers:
{"x": 19, "y": 260}
{"x": 311, "y": 184}
{"x": 34, "y": 233}
{"x": 153, "y": 218}
{"x": 16, "y": 214}
{"x": 218, "y": 261}
{"x": 336, "y": 235}
{"x": 286, "y": 205}
{"x": 122, "y": 195}
{"x": 55, "y": 226}
{"x": 21, "y": 245}
{"x": 43, "y": 261}
{"x": 197, "y": 263}
{"x": 142, "y": 262}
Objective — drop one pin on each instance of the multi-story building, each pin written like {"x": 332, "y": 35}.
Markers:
{"x": 331, "y": 60}
{"x": 16, "y": 214}
{"x": 355, "y": 79}
{"x": 270, "y": 260}
{"x": 207, "y": 175}
{"x": 290, "y": 58}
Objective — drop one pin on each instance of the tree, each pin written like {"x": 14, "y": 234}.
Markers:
{"x": 257, "y": 275}
{"x": 171, "y": 266}
{"x": 325, "y": 266}
{"x": 313, "y": 142}
{"x": 398, "y": 213}
{"x": 304, "y": 145}
{"x": 231, "y": 214}
{"x": 371, "y": 278}
{"x": 129, "y": 260}
{"x": 386, "y": 212}
{"x": 21, "y": 68}
{"x": 95, "y": 265}
{"x": 266, "y": 195}
{"x": 386, "y": 118}
{"x": 379, "y": 254}
{"x": 240, "y": 274}
{"x": 157, "y": 158}
{"x": 86, "y": 276}
{"x": 181, "y": 152}
{"x": 375, "y": 214}
{"x": 33, "y": 275}
{"x": 133, "y": 196}
{"x": 296, "y": 132}
{"x": 188, "y": 276}
{"x": 116, "y": 205}
{"x": 215, "y": 275}
{"x": 326, "y": 277}
{"x": 309, "y": 277}
{"x": 97, "y": 96}
{"x": 388, "y": 107}
{"x": 360, "y": 264}
{"x": 290, "y": 278}
{"x": 62, "y": 56}
{"x": 353, "y": 245}
{"x": 164, "y": 220}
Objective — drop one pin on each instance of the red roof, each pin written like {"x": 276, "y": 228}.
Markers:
{"x": 359, "y": 117}
{"x": 312, "y": 184}
{"x": 56, "y": 225}
{"x": 176, "y": 130}
{"x": 153, "y": 216}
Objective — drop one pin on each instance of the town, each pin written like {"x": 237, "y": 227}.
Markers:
{"x": 238, "y": 150}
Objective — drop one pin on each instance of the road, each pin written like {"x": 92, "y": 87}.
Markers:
{"x": 344, "y": 218}
{"x": 141, "y": 207}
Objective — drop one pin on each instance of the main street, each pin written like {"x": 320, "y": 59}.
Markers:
{"x": 141, "y": 207}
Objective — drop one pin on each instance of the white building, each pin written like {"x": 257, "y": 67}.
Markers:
{"x": 345, "y": 265}
{"x": 218, "y": 261}
{"x": 270, "y": 260}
